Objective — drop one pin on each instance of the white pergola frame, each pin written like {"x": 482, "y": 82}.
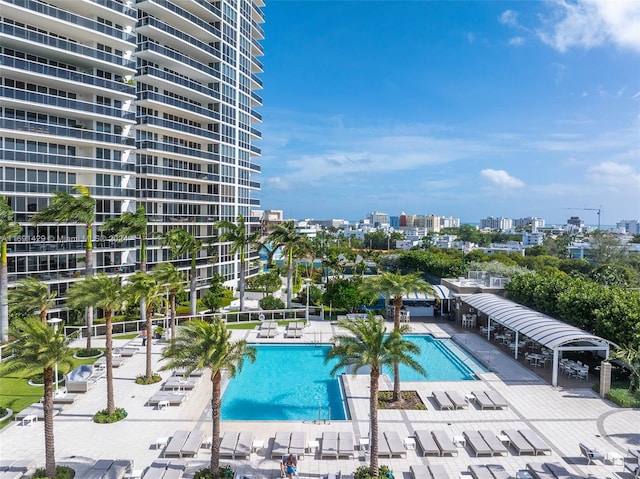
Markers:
{"x": 545, "y": 330}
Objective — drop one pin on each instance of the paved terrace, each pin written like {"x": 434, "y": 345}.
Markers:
{"x": 562, "y": 417}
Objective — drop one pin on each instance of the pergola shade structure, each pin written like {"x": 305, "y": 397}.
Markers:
{"x": 545, "y": 330}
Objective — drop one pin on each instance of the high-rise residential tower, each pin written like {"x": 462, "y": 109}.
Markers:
{"x": 146, "y": 102}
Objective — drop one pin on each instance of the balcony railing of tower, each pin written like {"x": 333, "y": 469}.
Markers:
{"x": 44, "y": 39}
{"x": 47, "y": 129}
{"x": 255, "y": 149}
{"x": 118, "y": 6}
{"x": 177, "y": 173}
{"x": 179, "y": 81}
{"x": 179, "y": 57}
{"x": 258, "y": 46}
{"x": 179, "y": 150}
{"x": 256, "y": 79}
{"x": 61, "y": 73}
{"x": 34, "y": 187}
{"x": 66, "y": 160}
{"x": 190, "y": 17}
{"x": 177, "y": 126}
{"x": 67, "y": 16}
{"x": 45, "y": 99}
{"x": 154, "y": 22}
{"x": 256, "y": 115}
{"x": 179, "y": 195}
{"x": 167, "y": 100}
{"x": 258, "y": 28}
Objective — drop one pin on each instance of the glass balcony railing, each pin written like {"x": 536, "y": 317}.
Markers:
{"x": 69, "y": 17}
{"x": 176, "y": 149}
{"x": 68, "y": 161}
{"x": 44, "y": 99}
{"x": 256, "y": 115}
{"x": 167, "y": 100}
{"x": 257, "y": 80}
{"x": 184, "y": 14}
{"x": 179, "y": 57}
{"x": 47, "y": 129}
{"x": 39, "y": 68}
{"x": 179, "y": 81}
{"x": 176, "y": 126}
{"x": 179, "y": 195}
{"x": 175, "y": 173}
{"x": 117, "y": 6}
{"x": 65, "y": 45}
{"x": 255, "y": 149}
{"x": 35, "y": 187}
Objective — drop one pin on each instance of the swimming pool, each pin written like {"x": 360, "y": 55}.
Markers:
{"x": 287, "y": 382}
{"x": 440, "y": 362}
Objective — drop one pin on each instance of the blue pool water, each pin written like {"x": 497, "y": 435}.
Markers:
{"x": 286, "y": 382}
{"x": 440, "y": 362}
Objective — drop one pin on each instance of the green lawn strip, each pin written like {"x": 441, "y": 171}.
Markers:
{"x": 126, "y": 336}
{"x": 15, "y": 391}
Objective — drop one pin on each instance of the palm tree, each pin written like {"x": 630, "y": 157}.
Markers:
{"x": 145, "y": 287}
{"x": 40, "y": 346}
{"x": 169, "y": 277}
{"x": 107, "y": 294}
{"x": 202, "y": 345}
{"x": 33, "y": 295}
{"x": 182, "y": 242}
{"x": 292, "y": 243}
{"x": 369, "y": 346}
{"x": 130, "y": 224}
{"x": 8, "y": 229}
{"x": 66, "y": 208}
{"x": 241, "y": 240}
{"x": 394, "y": 287}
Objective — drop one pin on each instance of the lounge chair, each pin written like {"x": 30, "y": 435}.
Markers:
{"x": 518, "y": 442}
{"x": 539, "y": 446}
{"x": 498, "y": 472}
{"x": 457, "y": 400}
{"x": 125, "y": 352}
{"x": 192, "y": 445}
{"x": 383, "y": 446}
{"x": 420, "y": 471}
{"x": 294, "y": 333}
{"x": 396, "y": 446}
{"x": 102, "y": 362}
{"x": 444, "y": 442}
{"x": 280, "y": 445}
{"x": 493, "y": 442}
{"x": 175, "y": 470}
{"x": 539, "y": 471}
{"x": 156, "y": 470}
{"x": 496, "y": 398}
{"x": 346, "y": 444}
{"x": 329, "y": 445}
{"x": 174, "y": 447}
{"x": 196, "y": 373}
{"x": 243, "y": 448}
{"x": 228, "y": 444}
{"x": 173, "y": 398}
{"x": 426, "y": 442}
{"x": 442, "y": 400}
{"x": 298, "y": 443}
{"x": 482, "y": 400}
{"x": 477, "y": 443}
{"x": 438, "y": 471}
{"x": 37, "y": 410}
{"x": 590, "y": 453}
{"x": 479, "y": 471}
{"x": 550, "y": 470}
{"x": 175, "y": 382}
{"x": 633, "y": 468}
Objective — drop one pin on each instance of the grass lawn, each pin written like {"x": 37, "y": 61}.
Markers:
{"x": 15, "y": 391}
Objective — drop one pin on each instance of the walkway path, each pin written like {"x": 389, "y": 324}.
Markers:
{"x": 563, "y": 417}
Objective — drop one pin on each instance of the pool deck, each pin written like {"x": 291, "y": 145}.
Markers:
{"x": 563, "y": 417}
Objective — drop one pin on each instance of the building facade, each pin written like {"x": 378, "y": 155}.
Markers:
{"x": 146, "y": 103}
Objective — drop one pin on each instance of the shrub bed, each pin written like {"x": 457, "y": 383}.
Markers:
{"x": 103, "y": 417}
{"x": 62, "y": 472}
{"x": 143, "y": 379}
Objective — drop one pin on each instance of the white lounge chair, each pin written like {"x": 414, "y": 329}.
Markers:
{"x": 346, "y": 444}
{"x": 442, "y": 400}
{"x": 518, "y": 442}
{"x": 228, "y": 444}
{"x": 192, "y": 445}
{"x": 426, "y": 442}
{"x": 538, "y": 444}
{"x": 444, "y": 442}
{"x": 457, "y": 400}
{"x": 174, "y": 447}
{"x": 420, "y": 471}
{"x": 280, "y": 445}
{"x": 243, "y": 447}
{"x": 298, "y": 443}
{"x": 477, "y": 443}
{"x": 496, "y": 445}
{"x": 396, "y": 446}
{"x": 590, "y": 453}
{"x": 329, "y": 444}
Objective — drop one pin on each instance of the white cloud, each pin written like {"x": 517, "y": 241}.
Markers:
{"x": 501, "y": 178}
{"x": 592, "y": 23}
{"x": 615, "y": 175}
{"x": 471, "y": 37}
{"x": 509, "y": 17}
{"x": 516, "y": 41}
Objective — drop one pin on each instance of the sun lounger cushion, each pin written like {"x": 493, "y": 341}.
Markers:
{"x": 383, "y": 446}
{"x": 479, "y": 471}
{"x": 298, "y": 443}
{"x": 444, "y": 442}
{"x": 174, "y": 447}
{"x": 280, "y": 444}
{"x": 482, "y": 400}
{"x": 498, "y": 472}
{"x": 192, "y": 444}
{"x": 396, "y": 446}
{"x": 538, "y": 444}
{"x": 539, "y": 471}
{"x": 477, "y": 443}
{"x": 496, "y": 445}
{"x": 243, "y": 448}
{"x": 346, "y": 444}
{"x": 518, "y": 442}
{"x": 228, "y": 444}
{"x": 420, "y": 471}
{"x": 329, "y": 446}
{"x": 426, "y": 442}
{"x": 442, "y": 400}
{"x": 457, "y": 400}
{"x": 497, "y": 399}
{"x": 438, "y": 471}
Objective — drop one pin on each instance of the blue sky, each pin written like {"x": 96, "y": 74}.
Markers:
{"x": 454, "y": 108}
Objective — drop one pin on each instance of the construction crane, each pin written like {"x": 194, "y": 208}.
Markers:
{"x": 599, "y": 210}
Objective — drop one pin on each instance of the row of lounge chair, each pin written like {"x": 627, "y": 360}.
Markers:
{"x": 488, "y": 471}
{"x": 170, "y": 398}
{"x": 489, "y": 400}
{"x": 36, "y": 411}
{"x": 165, "y": 470}
{"x": 390, "y": 444}
{"x": 289, "y": 443}
{"x": 294, "y": 329}
{"x": 337, "y": 444}
{"x": 268, "y": 329}
{"x": 184, "y": 443}
{"x": 435, "y": 442}
{"x": 109, "y": 469}
{"x": 484, "y": 442}
{"x": 12, "y": 469}
{"x": 549, "y": 470}
{"x": 525, "y": 441}
{"x": 236, "y": 444}
{"x": 428, "y": 471}
{"x": 449, "y": 400}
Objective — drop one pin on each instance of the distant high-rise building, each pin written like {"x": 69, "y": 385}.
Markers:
{"x": 630, "y": 226}
{"x": 535, "y": 223}
{"x": 377, "y": 218}
{"x": 576, "y": 221}
{"x": 498, "y": 224}
{"x": 449, "y": 222}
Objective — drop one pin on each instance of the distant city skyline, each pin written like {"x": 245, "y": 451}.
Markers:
{"x": 465, "y": 109}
